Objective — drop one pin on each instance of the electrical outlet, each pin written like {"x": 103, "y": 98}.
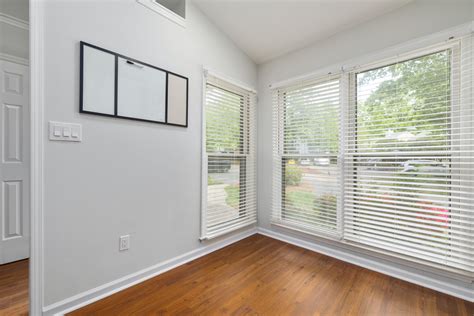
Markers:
{"x": 124, "y": 243}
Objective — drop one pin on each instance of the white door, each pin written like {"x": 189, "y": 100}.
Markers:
{"x": 14, "y": 162}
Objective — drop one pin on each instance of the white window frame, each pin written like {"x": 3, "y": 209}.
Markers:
{"x": 249, "y": 155}
{"x": 278, "y": 156}
{"x": 167, "y": 13}
{"x": 444, "y": 40}
{"x": 454, "y": 46}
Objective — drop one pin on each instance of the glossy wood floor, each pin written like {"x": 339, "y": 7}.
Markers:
{"x": 263, "y": 276}
{"x": 14, "y": 288}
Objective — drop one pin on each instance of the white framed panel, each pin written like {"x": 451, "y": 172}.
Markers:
{"x": 14, "y": 162}
{"x": 177, "y": 100}
{"x": 98, "y": 81}
{"x": 141, "y": 91}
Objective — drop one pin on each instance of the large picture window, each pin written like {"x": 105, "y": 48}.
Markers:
{"x": 229, "y": 195}
{"x": 405, "y": 192}
{"x": 406, "y": 154}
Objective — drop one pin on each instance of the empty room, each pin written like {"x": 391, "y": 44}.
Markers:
{"x": 237, "y": 157}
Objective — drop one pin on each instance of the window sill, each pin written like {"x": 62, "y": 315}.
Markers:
{"x": 337, "y": 241}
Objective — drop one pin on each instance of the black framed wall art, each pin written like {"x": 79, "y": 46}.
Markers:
{"x": 118, "y": 86}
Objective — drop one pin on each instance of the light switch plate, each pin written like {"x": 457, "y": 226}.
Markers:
{"x": 68, "y": 132}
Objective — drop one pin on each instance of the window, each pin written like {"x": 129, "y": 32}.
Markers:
{"x": 405, "y": 188}
{"x": 174, "y": 10}
{"x": 406, "y": 157}
{"x": 229, "y": 200}
{"x": 307, "y": 187}
{"x": 176, "y": 6}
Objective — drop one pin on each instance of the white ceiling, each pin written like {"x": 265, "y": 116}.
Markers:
{"x": 266, "y": 29}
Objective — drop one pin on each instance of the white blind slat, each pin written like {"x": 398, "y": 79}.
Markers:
{"x": 382, "y": 157}
{"x": 409, "y": 158}
{"x": 231, "y": 200}
{"x": 306, "y": 147}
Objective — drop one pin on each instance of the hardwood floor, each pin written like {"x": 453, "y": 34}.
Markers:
{"x": 263, "y": 276}
{"x": 14, "y": 288}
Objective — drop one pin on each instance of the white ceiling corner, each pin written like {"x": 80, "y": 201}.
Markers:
{"x": 266, "y": 29}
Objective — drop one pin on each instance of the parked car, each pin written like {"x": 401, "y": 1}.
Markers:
{"x": 424, "y": 166}
{"x": 321, "y": 161}
{"x": 305, "y": 162}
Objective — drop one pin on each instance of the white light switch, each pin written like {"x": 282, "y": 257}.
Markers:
{"x": 75, "y": 132}
{"x": 57, "y": 131}
{"x": 65, "y": 131}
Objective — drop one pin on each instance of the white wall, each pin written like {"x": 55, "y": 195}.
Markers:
{"x": 126, "y": 177}
{"x": 14, "y": 40}
{"x": 412, "y": 21}
{"x": 143, "y": 179}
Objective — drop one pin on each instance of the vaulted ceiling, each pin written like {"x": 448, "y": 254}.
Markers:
{"x": 266, "y": 29}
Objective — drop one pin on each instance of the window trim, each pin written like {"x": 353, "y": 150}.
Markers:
{"x": 352, "y": 106}
{"x": 279, "y": 162}
{"x": 400, "y": 53}
{"x": 443, "y": 37}
{"x": 243, "y": 156}
{"x": 405, "y": 56}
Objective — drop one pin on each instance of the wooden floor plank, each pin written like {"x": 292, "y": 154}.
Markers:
{"x": 263, "y": 276}
{"x": 14, "y": 288}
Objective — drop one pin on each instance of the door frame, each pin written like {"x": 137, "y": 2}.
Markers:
{"x": 36, "y": 38}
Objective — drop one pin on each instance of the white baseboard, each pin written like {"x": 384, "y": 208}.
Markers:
{"x": 392, "y": 270}
{"x": 100, "y": 292}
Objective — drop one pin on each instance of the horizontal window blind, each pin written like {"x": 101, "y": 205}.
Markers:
{"x": 229, "y": 193}
{"x": 306, "y": 175}
{"x": 382, "y": 157}
{"x": 409, "y": 164}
